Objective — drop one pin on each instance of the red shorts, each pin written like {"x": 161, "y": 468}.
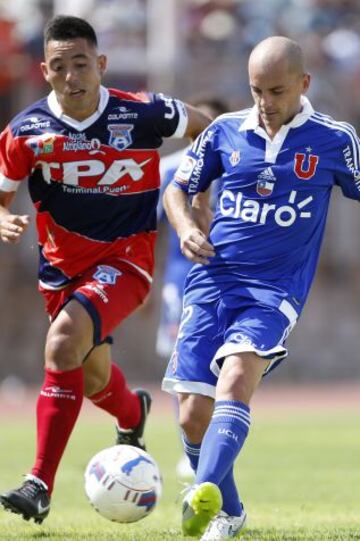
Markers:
{"x": 109, "y": 292}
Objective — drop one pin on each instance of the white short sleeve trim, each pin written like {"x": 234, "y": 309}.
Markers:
{"x": 183, "y": 121}
{"x": 8, "y": 185}
{"x": 274, "y": 354}
{"x": 49, "y": 287}
{"x": 174, "y": 386}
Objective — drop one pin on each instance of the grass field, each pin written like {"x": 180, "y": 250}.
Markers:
{"x": 299, "y": 476}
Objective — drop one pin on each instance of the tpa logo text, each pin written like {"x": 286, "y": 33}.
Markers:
{"x": 73, "y": 172}
{"x": 250, "y": 210}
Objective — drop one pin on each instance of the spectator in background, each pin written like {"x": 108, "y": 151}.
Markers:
{"x": 12, "y": 66}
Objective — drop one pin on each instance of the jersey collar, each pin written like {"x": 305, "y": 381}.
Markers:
{"x": 55, "y": 108}
{"x": 252, "y": 120}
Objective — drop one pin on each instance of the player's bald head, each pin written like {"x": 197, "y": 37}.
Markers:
{"x": 277, "y": 52}
{"x": 277, "y": 81}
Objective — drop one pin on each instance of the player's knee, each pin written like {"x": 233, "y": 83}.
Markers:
{"x": 233, "y": 378}
{"x": 94, "y": 382}
{"x": 61, "y": 353}
{"x": 194, "y": 417}
{"x": 234, "y": 383}
{"x": 193, "y": 428}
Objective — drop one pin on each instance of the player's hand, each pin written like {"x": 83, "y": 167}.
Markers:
{"x": 195, "y": 247}
{"x": 12, "y": 226}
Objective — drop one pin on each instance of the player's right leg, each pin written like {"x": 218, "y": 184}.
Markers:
{"x": 189, "y": 375}
{"x": 114, "y": 291}
{"x": 195, "y": 414}
{"x": 203, "y": 501}
{"x": 252, "y": 341}
{"x": 106, "y": 387}
{"x": 69, "y": 339}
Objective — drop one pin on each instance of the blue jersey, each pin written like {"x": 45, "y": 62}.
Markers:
{"x": 272, "y": 202}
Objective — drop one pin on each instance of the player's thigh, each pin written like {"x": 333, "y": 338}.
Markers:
{"x": 257, "y": 329}
{"x": 70, "y": 337}
{"x": 198, "y": 339}
{"x": 97, "y": 369}
{"x": 110, "y": 292}
{"x": 239, "y": 376}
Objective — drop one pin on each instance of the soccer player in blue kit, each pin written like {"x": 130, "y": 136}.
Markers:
{"x": 277, "y": 162}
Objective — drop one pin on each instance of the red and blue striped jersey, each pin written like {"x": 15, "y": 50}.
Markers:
{"x": 94, "y": 183}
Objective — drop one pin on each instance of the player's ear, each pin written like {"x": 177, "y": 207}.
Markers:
{"x": 102, "y": 64}
{"x": 44, "y": 70}
{"x": 306, "y": 82}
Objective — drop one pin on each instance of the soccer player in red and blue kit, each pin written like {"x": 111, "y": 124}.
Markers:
{"x": 90, "y": 157}
{"x": 277, "y": 164}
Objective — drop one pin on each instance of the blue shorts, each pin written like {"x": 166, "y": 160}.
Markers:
{"x": 209, "y": 332}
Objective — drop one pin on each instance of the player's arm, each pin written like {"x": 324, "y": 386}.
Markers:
{"x": 197, "y": 121}
{"x": 12, "y": 226}
{"x": 198, "y": 169}
{"x": 16, "y": 163}
{"x": 171, "y": 117}
{"x": 201, "y": 210}
{"x": 346, "y": 163}
{"x": 193, "y": 242}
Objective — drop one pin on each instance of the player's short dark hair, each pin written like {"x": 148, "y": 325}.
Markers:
{"x": 67, "y": 27}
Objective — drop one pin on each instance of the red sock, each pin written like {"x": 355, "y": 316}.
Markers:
{"x": 118, "y": 400}
{"x": 58, "y": 407}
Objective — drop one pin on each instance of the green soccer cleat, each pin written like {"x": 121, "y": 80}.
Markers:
{"x": 202, "y": 503}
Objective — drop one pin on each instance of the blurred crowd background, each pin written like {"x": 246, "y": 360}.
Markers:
{"x": 186, "y": 48}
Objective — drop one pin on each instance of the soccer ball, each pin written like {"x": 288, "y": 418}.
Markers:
{"x": 123, "y": 483}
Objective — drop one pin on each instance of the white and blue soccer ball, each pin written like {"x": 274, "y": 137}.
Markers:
{"x": 123, "y": 483}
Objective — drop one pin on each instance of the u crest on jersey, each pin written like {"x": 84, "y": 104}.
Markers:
{"x": 305, "y": 165}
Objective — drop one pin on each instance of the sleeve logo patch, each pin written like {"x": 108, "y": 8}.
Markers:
{"x": 185, "y": 170}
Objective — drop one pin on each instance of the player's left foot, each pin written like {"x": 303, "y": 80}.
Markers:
{"x": 31, "y": 500}
{"x": 134, "y": 436}
{"x": 224, "y": 526}
{"x": 201, "y": 504}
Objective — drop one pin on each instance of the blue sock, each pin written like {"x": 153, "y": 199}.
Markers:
{"x": 192, "y": 451}
{"x": 231, "y": 502}
{"x": 223, "y": 440}
{"x": 222, "y": 443}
